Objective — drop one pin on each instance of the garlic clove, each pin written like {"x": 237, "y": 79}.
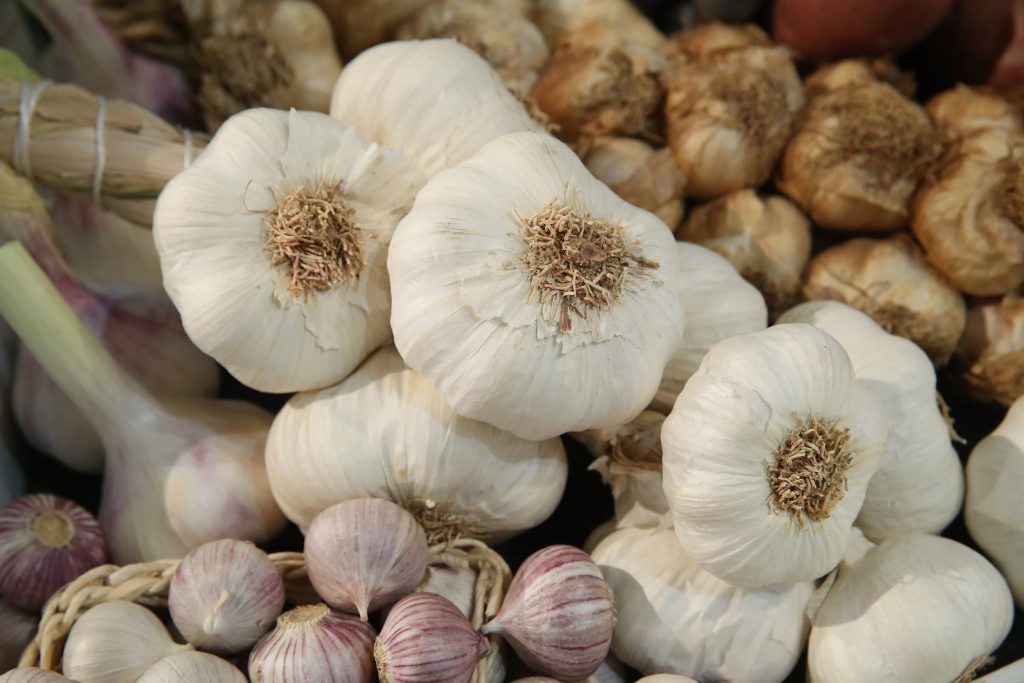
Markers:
{"x": 225, "y": 595}
{"x": 192, "y": 667}
{"x": 640, "y": 174}
{"x": 558, "y": 613}
{"x": 45, "y": 542}
{"x": 312, "y": 643}
{"x": 989, "y": 353}
{"x": 116, "y": 642}
{"x": 32, "y": 675}
{"x": 455, "y": 584}
{"x": 365, "y": 553}
{"x": 426, "y": 638}
{"x": 17, "y": 629}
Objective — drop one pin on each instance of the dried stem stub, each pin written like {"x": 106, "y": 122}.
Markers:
{"x": 313, "y": 238}
{"x": 53, "y": 528}
{"x": 304, "y": 616}
{"x": 576, "y": 263}
{"x": 807, "y": 476}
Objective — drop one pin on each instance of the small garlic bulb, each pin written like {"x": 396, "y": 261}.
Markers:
{"x": 192, "y": 667}
{"x": 116, "y": 642}
{"x": 640, "y": 174}
{"x": 767, "y": 456}
{"x": 365, "y": 553}
{"x": 225, "y": 595}
{"x": 963, "y": 111}
{"x": 890, "y": 281}
{"x": 45, "y": 542}
{"x": 389, "y": 93}
{"x": 857, "y": 158}
{"x": 481, "y": 272}
{"x": 767, "y": 239}
{"x": 991, "y": 349}
{"x": 926, "y": 608}
{"x": 273, "y": 246}
{"x": 17, "y": 629}
{"x": 558, "y": 613}
{"x": 717, "y": 304}
{"x": 403, "y": 443}
{"x": 732, "y": 98}
{"x": 995, "y": 477}
{"x": 674, "y": 617}
{"x": 426, "y": 638}
{"x": 312, "y": 643}
{"x": 32, "y": 675}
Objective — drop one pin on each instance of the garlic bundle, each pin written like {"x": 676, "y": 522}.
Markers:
{"x": 385, "y": 432}
{"x": 890, "y": 281}
{"x": 273, "y": 246}
{"x": 520, "y": 259}
{"x": 17, "y": 629}
{"x": 970, "y": 220}
{"x": 32, "y": 675}
{"x": 640, "y": 174}
{"x": 717, "y": 304}
{"x": 732, "y": 98}
{"x": 500, "y": 32}
{"x": 914, "y": 609}
{"x": 179, "y": 472}
{"x": 963, "y": 111}
{"x": 390, "y": 94}
{"x": 920, "y": 483}
{"x": 991, "y": 350}
{"x": 116, "y": 642}
{"x": 767, "y": 239}
{"x": 995, "y": 476}
{"x": 767, "y": 456}
{"x": 192, "y": 667}
{"x": 858, "y": 157}
{"x": 673, "y": 617}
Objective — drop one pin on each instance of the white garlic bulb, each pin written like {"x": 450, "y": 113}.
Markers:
{"x": 767, "y": 456}
{"x": 31, "y": 675}
{"x": 674, "y": 617}
{"x": 385, "y": 432}
{"x": 518, "y": 279}
{"x": 390, "y": 94}
{"x": 273, "y": 244}
{"x": 192, "y": 667}
{"x": 995, "y": 479}
{"x": 717, "y": 304}
{"x": 914, "y": 609}
{"x": 920, "y": 483}
{"x": 116, "y": 642}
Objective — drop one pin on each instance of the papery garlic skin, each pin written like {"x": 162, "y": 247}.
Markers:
{"x": 403, "y": 443}
{"x": 920, "y": 483}
{"x": 275, "y": 328}
{"x": 674, "y": 617}
{"x": 640, "y": 174}
{"x": 456, "y": 584}
{"x": 116, "y": 642}
{"x": 192, "y": 667}
{"x": 765, "y": 410}
{"x": 31, "y": 675}
{"x": 389, "y": 94}
{"x": 963, "y": 111}
{"x": 469, "y": 311}
{"x": 17, "y": 629}
{"x": 991, "y": 349}
{"x": 666, "y": 678}
{"x": 876, "y": 606}
{"x": 995, "y": 472}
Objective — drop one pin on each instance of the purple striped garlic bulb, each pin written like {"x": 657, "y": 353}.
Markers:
{"x": 426, "y": 639}
{"x": 558, "y": 614}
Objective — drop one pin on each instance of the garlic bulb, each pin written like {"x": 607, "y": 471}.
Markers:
{"x": 970, "y": 220}
{"x": 17, "y": 629}
{"x": 640, "y": 174}
{"x": 225, "y": 595}
{"x": 673, "y": 617}
{"x": 890, "y": 281}
{"x": 402, "y": 442}
{"x": 312, "y": 643}
{"x": 995, "y": 472}
{"x": 192, "y": 667}
{"x": 767, "y": 456}
{"x": 31, "y": 675}
{"x": 717, "y": 304}
{"x": 732, "y": 97}
{"x": 857, "y": 158}
{"x": 273, "y": 246}
{"x": 963, "y": 111}
{"x": 920, "y": 483}
{"x": 390, "y": 94}
{"x": 481, "y": 271}
{"x": 559, "y": 18}
{"x": 925, "y": 607}
{"x": 767, "y": 239}
{"x": 116, "y": 642}
{"x": 365, "y": 553}
{"x": 847, "y": 73}
{"x": 990, "y": 351}
{"x": 361, "y": 24}
{"x": 665, "y": 678}
{"x": 45, "y": 542}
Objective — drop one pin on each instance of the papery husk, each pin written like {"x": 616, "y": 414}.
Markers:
{"x": 849, "y": 72}
{"x": 359, "y": 24}
{"x": 558, "y": 18}
{"x": 890, "y": 281}
{"x": 962, "y": 111}
{"x": 153, "y": 27}
{"x": 990, "y": 356}
{"x": 641, "y": 174}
